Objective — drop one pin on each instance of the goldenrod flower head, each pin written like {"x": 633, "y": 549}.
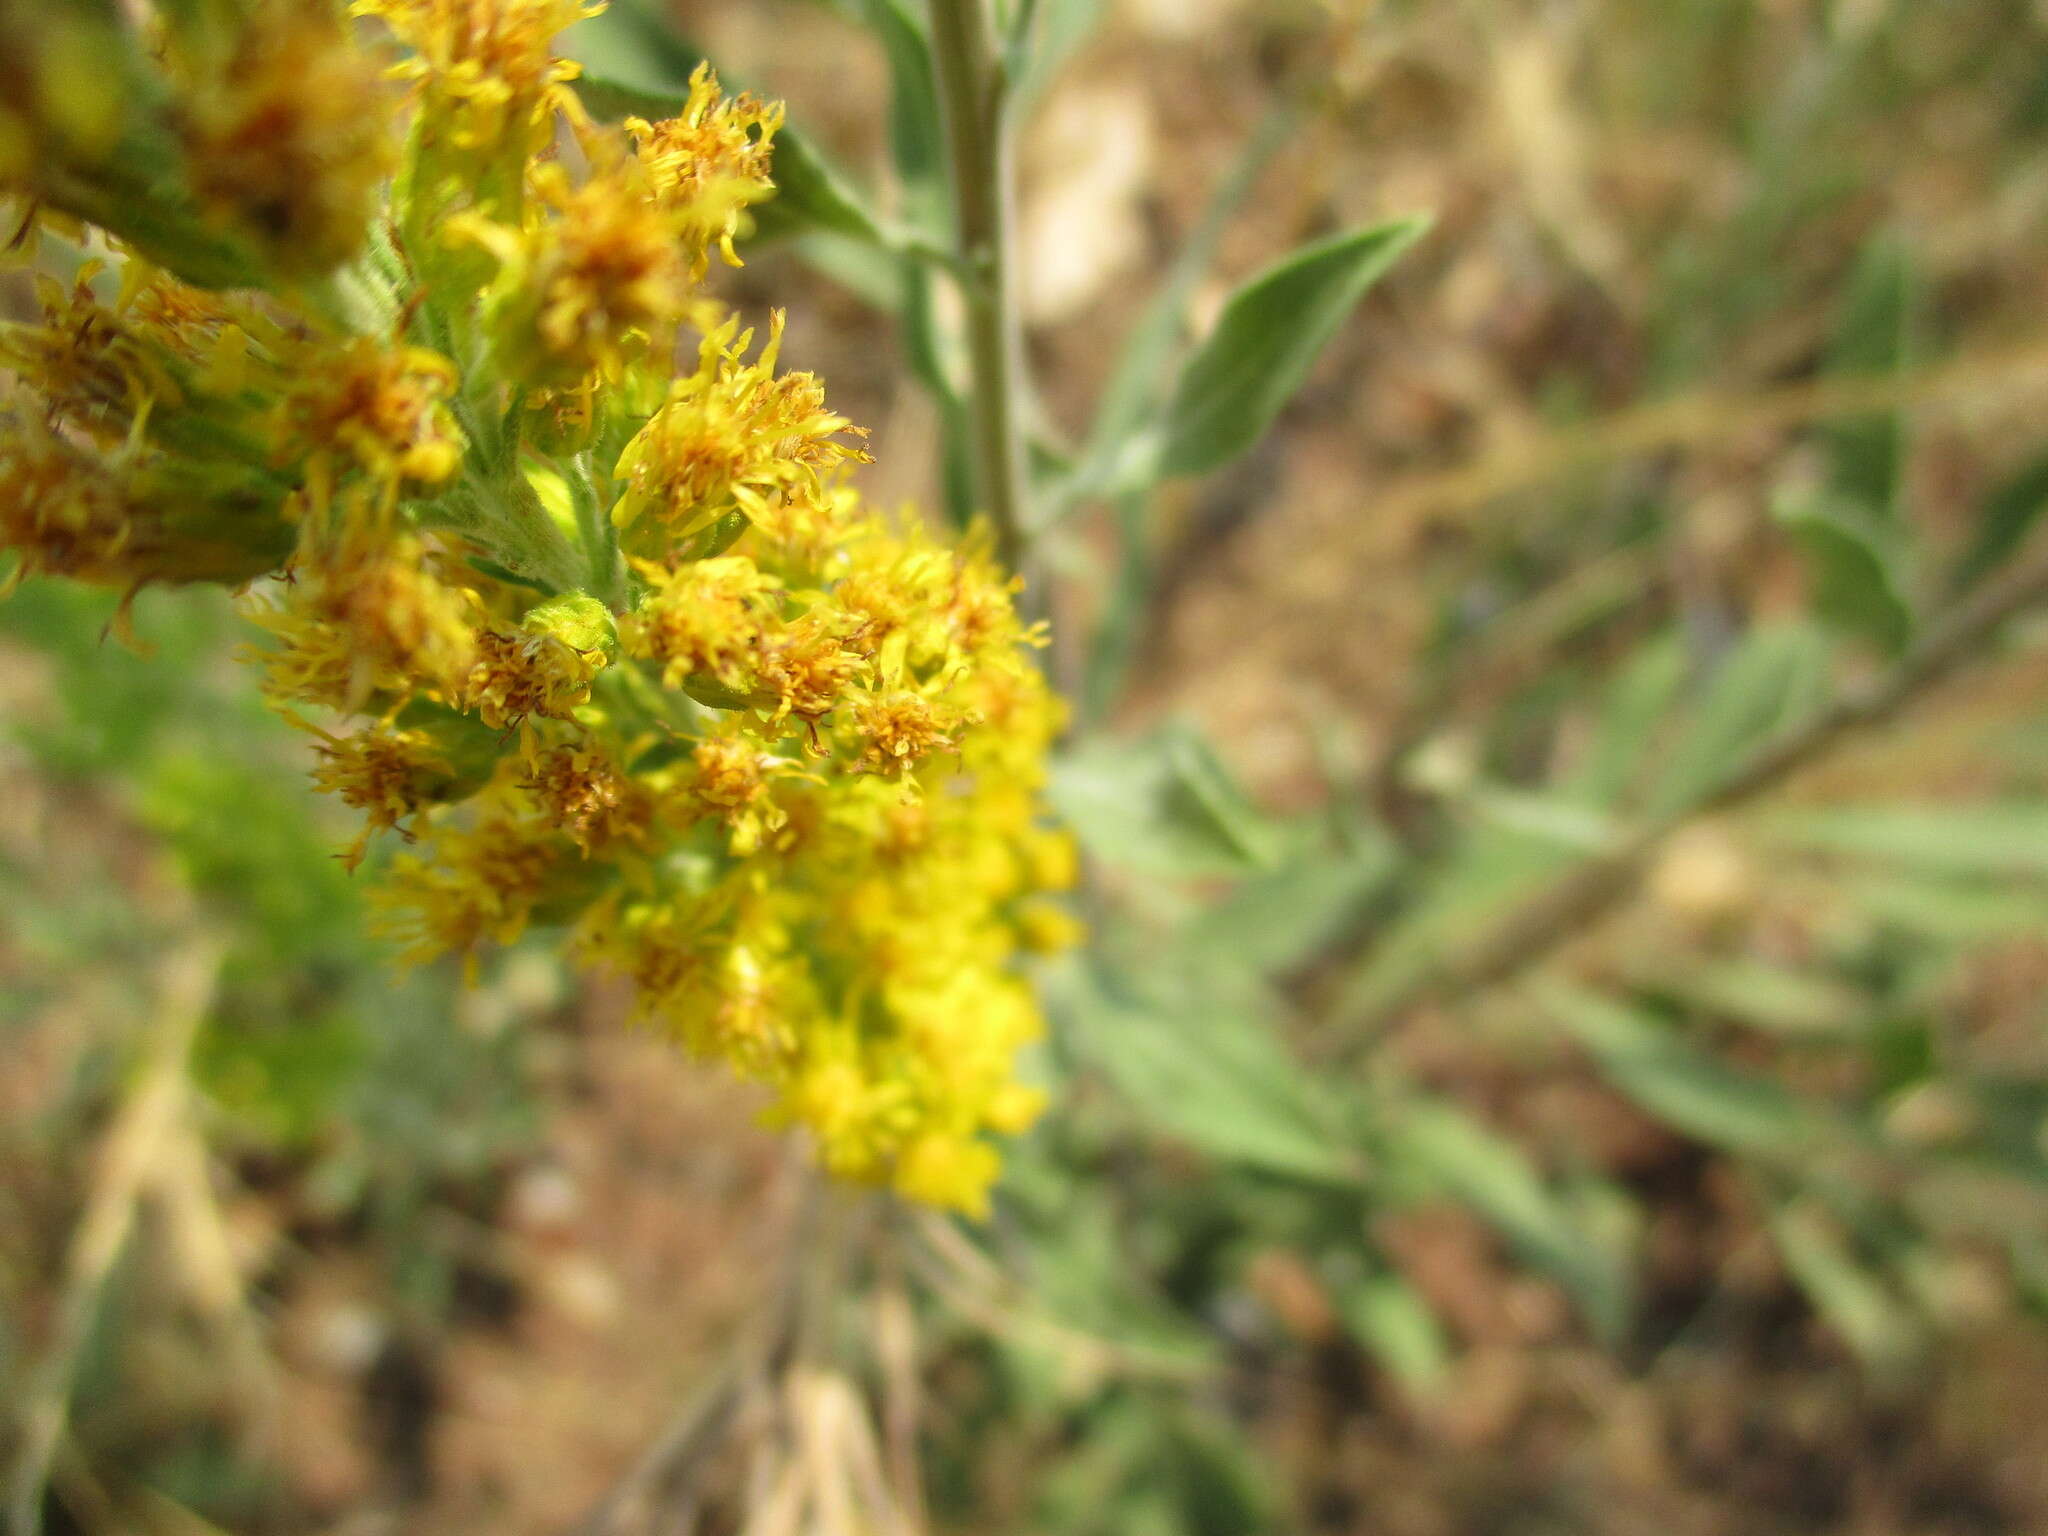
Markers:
{"x": 900, "y": 728}
{"x": 589, "y": 798}
{"x": 382, "y": 411}
{"x": 732, "y": 435}
{"x": 288, "y": 141}
{"x": 734, "y": 782}
{"x": 702, "y": 625}
{"x": 63, "y": 510}
{"x": 468, "y": 885}
{"x": 486, "y": 69}
{"x": 595, "y": 278}
{"x": 367, "y": 623}
{"x": 606, "y": 648}
{"x": 132, "y": 516}
{"x": 387, "y": 773}
{"x": 546, "y": 666}
{"x": 91, "y": 367}
{"x": 709, "y": 163}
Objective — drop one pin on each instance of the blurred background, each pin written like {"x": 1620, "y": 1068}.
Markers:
{"x": 1712, "y": 1196}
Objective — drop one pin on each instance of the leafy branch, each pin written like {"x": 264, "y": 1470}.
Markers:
{"x": 1602, "y": 882}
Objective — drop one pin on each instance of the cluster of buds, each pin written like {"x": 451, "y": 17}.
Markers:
{"x": 365, "y": 316}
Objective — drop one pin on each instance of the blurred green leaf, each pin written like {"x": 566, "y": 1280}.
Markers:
{"x": 1997, "y": 838}
{"x": 1856, "y": 569}
{"x": 1390, "y": 1319}
{"x": 1265, "y": 341}
{"x": 1545, "y": 817}
{"x": 1135, "y": 390}
{"x": 1216, "y": 1078}
{"x": 1450, "y": 1153}
{"x": 1680, "y": 1086}
{"x": 1769, "y": 681}
{"x": 1773, "y": 998}
{"x": 917, "y": 137}
{"x": 1491, "y": 871}
{"x": 1859, "y": 1305}
{"x": 1275, "y": 922}
{"x": 1036, "y": 54}
{"x": 1873, "y": 338}
{"x": 1162, "y": 805}
{"x": 633, "y": 59}
{"x": 2008, "y": 516}
{"x": 1636, "y": 704}
{"x": 1956, "y": 911}
{"x": 813, "y": 194}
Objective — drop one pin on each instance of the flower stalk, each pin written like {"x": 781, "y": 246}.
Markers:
{"x": 981, "y": 162}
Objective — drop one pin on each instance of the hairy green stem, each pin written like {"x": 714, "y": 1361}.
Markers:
{"x": 978, "y": 153}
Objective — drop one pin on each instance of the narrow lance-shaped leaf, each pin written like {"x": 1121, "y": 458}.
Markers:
{"x": 1867, "y": 1312}
{"x": 1133, "y": 394}
{"x": 1873, "y": 337}
{"x": 1681, "y": 1086}
{"x": 1164, "y": 806}
{"x": 916, "y": 136}
{"x": 1035, "y": 53}
{"x": 1387, "y": 1315}
{"x": 1454, "y": 1155}
{"x": 1766, "y": 682}
{"x": 1855, "y": 560}
{"x": 2008, "y": 516}
{"x": 1218, "y": 1079}
{"x": 1267, "y": 338}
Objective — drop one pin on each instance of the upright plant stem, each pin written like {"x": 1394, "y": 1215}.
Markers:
{"x": 978, "y": 153}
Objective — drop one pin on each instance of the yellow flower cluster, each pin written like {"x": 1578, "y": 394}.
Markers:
{"x": 602, "y": 642}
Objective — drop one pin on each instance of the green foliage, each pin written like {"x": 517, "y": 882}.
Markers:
{"x": 1684, "y": 1088}
{"x": 1264, "y": 342}
{"x": 312, "y": 1052}
{"x": 1438, "y": 1150}
{"x": 1165, "y": 805}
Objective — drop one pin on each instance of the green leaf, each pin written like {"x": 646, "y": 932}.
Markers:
{"x": 633, "y": 60}
{"x": 1683, "y": 1088}
{"x": 812, "y": 194}
{"x": 714, "y": 539}
{"x": 1767, "y": 682}
{"x": 1773, "y": 998}
{"x": 1114, "y": 645}
{"x": 1265, "y": 342}
{"x": 1859, "y": 1305}
{"x": 1994, "y": 839}
{"x": 1163, "y": 805}
{"x": 917, "y": 138}
{"x": 1855, "y": 561}
{"x": 2008, "y": 516}
{"x": 1273, "y": 923}
{"x": 1873, "y": 338}
{"x": 1954, "y": 911}
{"x": 1491, "y": 872}
{"x": 1218, "y": 1079}
{"x": 1451, "y": 1154}
{"x": 1636, "y": 703}
{"x": 1059, "y": 27}
{"x": 1391, "y": 1320}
